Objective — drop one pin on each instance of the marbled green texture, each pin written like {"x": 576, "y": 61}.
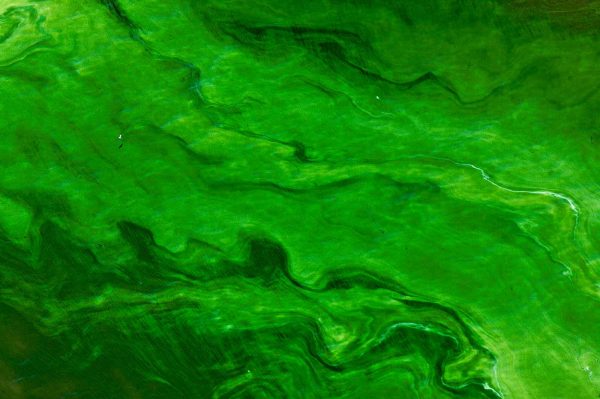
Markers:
{"x": 283, "y": 199}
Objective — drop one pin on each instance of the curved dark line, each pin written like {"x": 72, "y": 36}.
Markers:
{"x": 134, "y": 32}
{"x": 117, "y": 11}
{"x": 453, "y": 314}
{"x": 300, "y": 31}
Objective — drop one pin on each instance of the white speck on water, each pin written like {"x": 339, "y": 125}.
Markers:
{"x": 377, "y": 97}
{"x": 120, "y": 137}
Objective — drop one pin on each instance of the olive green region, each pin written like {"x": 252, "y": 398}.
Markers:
{"x": 299, "y": 199}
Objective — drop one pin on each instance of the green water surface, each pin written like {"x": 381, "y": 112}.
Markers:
{"x": 299, "y": 199}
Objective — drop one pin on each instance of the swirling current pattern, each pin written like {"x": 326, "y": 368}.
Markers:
{"x": 283, "y": 199}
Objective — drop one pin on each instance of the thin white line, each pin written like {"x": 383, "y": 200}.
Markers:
{"x": 563, "y": 197}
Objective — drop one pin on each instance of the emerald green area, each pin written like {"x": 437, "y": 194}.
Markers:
{"x": 299, "y": 199}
